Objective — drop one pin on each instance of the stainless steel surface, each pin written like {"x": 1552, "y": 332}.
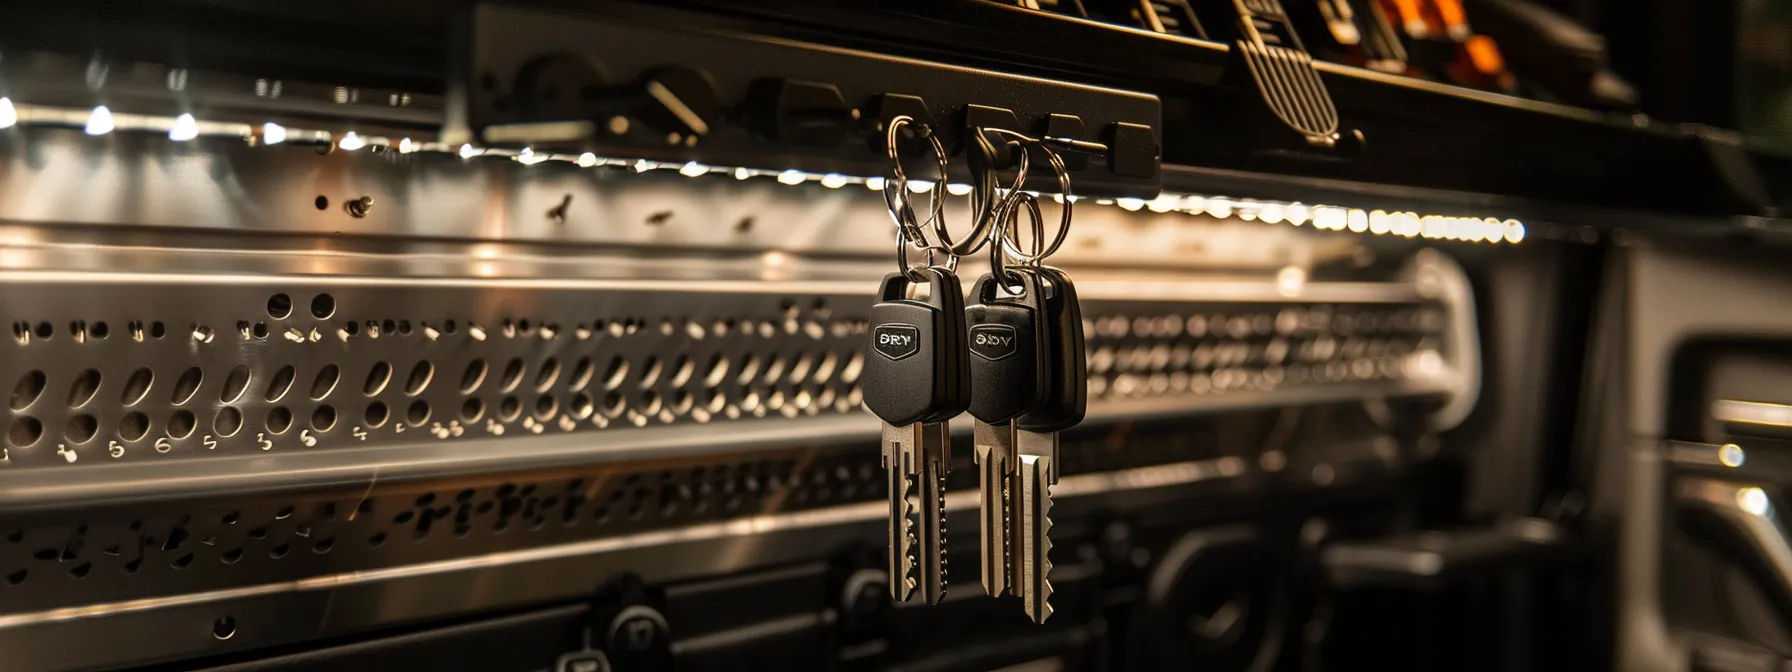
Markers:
{"x": 353, "y": 601}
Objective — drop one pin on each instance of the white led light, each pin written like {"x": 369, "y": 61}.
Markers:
{"x": 1290, "y": 280}
{"x": 1130, "y": 204}
{"x": 833, "y": 180}
{"x": 1731, "y": 455}
{"x": 1247, "y": 210}
{"x": 1297, "y": 214}
{"x": 185, "y": 128}
{"x": 1514, "y": 231}
{"x": 1433, "y": 226}
{"x": 405, "y": 146}
{"x": 693, "y": 169}
{"x": 528, "y": 157}
{"x": 587, "y": 160}
{"x": 1219, "y": 208}
{"x": 351, "y": 142}
{"x": 468, "y": 151}
{"x": 1754, "y": 500}
{"x": 790, "y": 177}
{"x": 1273, "y": 213}
{"x": 1379, "y": 222}
{"x": 641, "y": 166}
{"x": 742, "y": 173}
{"x": 874, "y": 183}
{"x": 1329, "y": 218}
{"x": 99, "y": 122}
{"x": 272, "y": 133}
{"x": 1359, "y": 220}
{"x": 1163, "y": 203}
{"x": 8, "y": 115}
{"x": 958, "y": 189}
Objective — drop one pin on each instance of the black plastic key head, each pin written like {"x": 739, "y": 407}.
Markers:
{"x": 1067, "y": 397}
{"x": 1008, "y": 377}
{"x": 914, "y": 360}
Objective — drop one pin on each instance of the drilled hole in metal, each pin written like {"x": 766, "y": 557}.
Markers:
{"x": 80, "y": 571}
{"x": 650, "y": 371}
{"x": 650, "y": 402}
{"x": 279, "y": 419}
{"x": 472, "y": 409}
{"x": 279, "y": 306}
{"x": 582, "y": 373}
{"x": 509, "y": 409}
{"x": 376, "y": 414}
{"x": 550, "y": 371}
{"x": 418, "y": 413}
{"x": 28, "y": 389}
{"x": 377, "y": 378}
{"x": 749, "y": 369}
{"x": 133, "y": 426}
{"x": 228, "y": 422}
{"x": 325, "y": 382}
{"x": 24, "y": 432}
{"x": 774, "y": 369}
{"x": 512, "y": 377}
{"x": 825, "y": 370}
{"x": 234, "y": 384}
{"x": 582, "y": 405}
{"x": 615, "y": 373}
{"x": 419, "y": 379}
{"x": 137, "y": 386}
{"x": 182, "y": 562}
{"x": 545, "y": 405}
{"x": 473, "y": 377}
{"x": 854, "y": 366}
{"x": 187, "y": 385}
{"x": 404, "y": 327}
{"x": 278, "y": 551}
{"x": 81, "y": 428}
{"x": 614, "y": 404}
{"x": 281, "y": 383}
{"x": 323, "y": 418}
{"x": 81, "y": 391}
{"x": 323, "y": 306}
{"x": 98, "y": 331}
{"x": 682, "y": 368}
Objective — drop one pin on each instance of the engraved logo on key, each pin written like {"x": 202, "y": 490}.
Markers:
{"x": 994, "y": 341}
{"x": 896, "y": 341}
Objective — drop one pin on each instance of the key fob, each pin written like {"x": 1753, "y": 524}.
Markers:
{"x": 1067, "y": 397}
{"x": 915, "y": 370}
{"x": 1005, "y": 342}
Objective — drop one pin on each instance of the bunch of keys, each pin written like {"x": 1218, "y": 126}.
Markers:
{"x": 1028, "y": 380}
{"x": 916, "y": 380}
{"x": 1013, "y": 358}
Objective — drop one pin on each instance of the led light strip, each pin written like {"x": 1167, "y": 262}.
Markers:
{"x": 100, "y": 121}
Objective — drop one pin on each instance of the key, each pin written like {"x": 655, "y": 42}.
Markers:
{"x": 916, "y": 380}
{"x": 1009, "y": 378}
{"x": 1036, "y": 440}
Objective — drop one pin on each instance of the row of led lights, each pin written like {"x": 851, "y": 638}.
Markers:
{"x": 100, "y": 121}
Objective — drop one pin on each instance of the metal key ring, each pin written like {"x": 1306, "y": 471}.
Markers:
{"x": 987, "y": 205}
{"x": 999, "y": 266}
{"x": 1063, "y": 173}
{"x": 896, "y": 193}
{"x": 913, "y": 272}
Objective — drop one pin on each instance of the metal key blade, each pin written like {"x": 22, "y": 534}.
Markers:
{"x": 899, "y": 465}
{"x": 933, "y": 465}
{"x": 994, "y": 456}
{"x": 1034, "y": 477}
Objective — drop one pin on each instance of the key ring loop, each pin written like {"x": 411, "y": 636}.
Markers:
{"x": 1063, "y": 174}
{"x": 998, "y": 264}
{"x": 914, "y": 272}
{"x": 987, "y": 201}
{"x": 896, "y": 192}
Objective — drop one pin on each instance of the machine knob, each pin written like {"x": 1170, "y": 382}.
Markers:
{"x": 639, "y": 639}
